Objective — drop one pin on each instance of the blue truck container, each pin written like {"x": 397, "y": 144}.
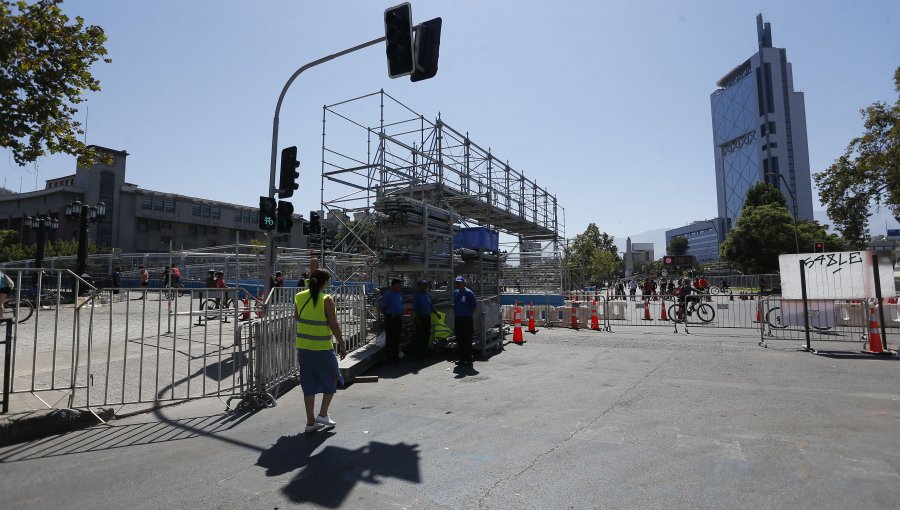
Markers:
{"x": 477, "y": 238}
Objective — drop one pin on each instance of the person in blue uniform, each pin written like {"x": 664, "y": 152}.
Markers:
{"x": 423, "y": 308}
{"x": 391, "y": 306}
{"x": 464, "y": 305}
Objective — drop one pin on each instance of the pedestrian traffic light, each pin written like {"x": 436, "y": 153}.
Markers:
{"x": 289, "y": 173}
{"x": 267, "y": 213}
{"x": 428, "y": 41}
{"x": 820, "y": 247}
{"x": 399, "y": 40}
{"x": 314, "y": 226}
{"x": 285, "y": 217}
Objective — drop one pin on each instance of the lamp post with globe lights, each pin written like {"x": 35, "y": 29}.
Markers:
{"x": 85, "y": 214}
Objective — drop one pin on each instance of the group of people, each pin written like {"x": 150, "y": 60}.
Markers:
{"x": 391, "y": 307}
{"x": 317, "y": 324}
{"x": 651, "y": 288}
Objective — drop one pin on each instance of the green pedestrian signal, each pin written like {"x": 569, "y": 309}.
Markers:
{"x": 267, "y": 213}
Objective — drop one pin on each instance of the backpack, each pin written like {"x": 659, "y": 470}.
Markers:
{"x": 7, "y": 282}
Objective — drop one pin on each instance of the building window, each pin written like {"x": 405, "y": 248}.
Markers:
{"x": 237, "y": 216}
{"x": 205, "y": 211}
{"x": 167, "y": 225}
{"x": 192, "y": 230}
{"x": 254, "y": 217}
{"x": 213, "y": 231}
{"x": 195, "y": 210}
{"x": 158, "y": 203}
{"x": 772, "y": 128}
{"x": 146, "y": 202}
{"x": 170, "y": 205}
{"x": 216, "y": 212}
{"x": 143, "y": 225}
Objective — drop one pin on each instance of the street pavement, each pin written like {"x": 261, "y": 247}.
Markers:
{"x": 639, "y": 418}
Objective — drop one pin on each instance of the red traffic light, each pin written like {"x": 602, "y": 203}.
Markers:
{"x": 820, "y": 247}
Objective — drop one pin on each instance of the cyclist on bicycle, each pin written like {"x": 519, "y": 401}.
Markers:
{"x": 725, "y": 286}
{"x": 684, "y": 295}
{"x": 220, "y": 284}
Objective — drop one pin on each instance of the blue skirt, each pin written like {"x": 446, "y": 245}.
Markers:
{"x": 319, "y": 371}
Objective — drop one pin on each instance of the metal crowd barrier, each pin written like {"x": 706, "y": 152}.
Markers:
{"x": 832, "y": 323}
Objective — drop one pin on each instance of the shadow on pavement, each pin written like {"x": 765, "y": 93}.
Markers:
{"x": 463, "y": 371}
{"x": 329, "y": 476}
{"x": 109, "y": 437}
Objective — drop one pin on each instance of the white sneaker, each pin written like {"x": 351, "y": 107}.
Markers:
{"x": 325, "y": 421}
{"x": 314, "y": 427}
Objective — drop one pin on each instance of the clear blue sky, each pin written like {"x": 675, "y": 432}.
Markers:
{"x": 605, "y": 103}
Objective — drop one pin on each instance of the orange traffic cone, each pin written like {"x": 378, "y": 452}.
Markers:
{"x": 595, "y": 321}
{"x": 517, "y": 327}
{"x": 662, "y": 310}
{"x": 262, "y": 299}
{"x": 574, "y": 316}
{"x": 647, "y": 311}
{"x": 245, "y": 316}
{"x": 531, "y": 319}
{"x": 874, "y": 334}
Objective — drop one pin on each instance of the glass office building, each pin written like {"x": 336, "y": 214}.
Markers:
{"x": 759, "y": 132}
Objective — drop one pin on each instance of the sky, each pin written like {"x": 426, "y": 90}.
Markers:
{"x": 604, "y": 103}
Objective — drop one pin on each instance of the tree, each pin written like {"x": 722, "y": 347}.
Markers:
{"x": 762, "y": 234}
{"x": 44, "y": 71}
{"x": 591, "y": 257}
{"x": 678, "y": 246}
{"x": 867, "y": 173}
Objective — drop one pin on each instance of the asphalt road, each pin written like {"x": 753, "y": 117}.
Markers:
{"x": 640, "y": 418}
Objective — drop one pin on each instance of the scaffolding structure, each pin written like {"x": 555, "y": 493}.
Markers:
{"x": 402, "y": 185}
{"x": 428, "y": 163}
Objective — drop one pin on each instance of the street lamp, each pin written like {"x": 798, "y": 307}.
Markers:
{"x": 42, "y": 224}
{"x": 794, "y": 203}
{"x": 84, "y": 213}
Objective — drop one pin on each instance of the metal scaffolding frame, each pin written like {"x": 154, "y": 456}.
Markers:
{"x": 407, "y": 154}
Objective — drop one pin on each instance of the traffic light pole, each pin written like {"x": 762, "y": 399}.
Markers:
{"x": 270, "y": 248}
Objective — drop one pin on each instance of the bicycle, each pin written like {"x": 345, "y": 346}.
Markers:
{"x": 19, "y": 309}
{"x": 705, "y": 312}
{"x": 718, "y": 289}
{"x": 773, "y": 319}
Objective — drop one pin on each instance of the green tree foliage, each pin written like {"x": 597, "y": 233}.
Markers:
{"x": 678, "y": 246}
{"x": 591, "y": 257}
{"x": 765, "y": 230}
{"x": 11, "y": 249}
{"x": 762, "y": 234}
{"x": 44, "y": 71}
{"x": 867, "y": 173}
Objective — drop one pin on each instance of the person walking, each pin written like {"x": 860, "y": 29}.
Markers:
{"x": 116, "y": 279}
{"x": 391, "y": 306}
{"x": 423, "y": 308}
{"x": 632, "y": 288}
{"x": 303, "y": 282}
{"x": 145, "y": 281}
{"x": 464, "y": 305}
{"x": 319, "y": 371}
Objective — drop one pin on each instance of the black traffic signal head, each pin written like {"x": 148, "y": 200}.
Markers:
{"x": 313, "y": 217}
{"x": 428, "y": 41}
{"x": 819, "y": 247}
{"x": 399, "y": 40}
{"x": 267, "y": 216}
{"x": 285, "y": 217}
{"x": 289, "y": 173}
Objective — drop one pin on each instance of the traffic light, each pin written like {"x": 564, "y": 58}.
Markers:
{"x": 314, "y": 226}
{"x": 399, "y": 40}
{"x": 285, "y": 217}
{"x": 267, "y": 213}
{"x": 289, "y": 173}
{"x": 819, "y": 247}
{"x": 428, "y": 41}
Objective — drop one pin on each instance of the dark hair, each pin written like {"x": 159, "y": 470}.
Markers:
{"x": 319, "y": 278}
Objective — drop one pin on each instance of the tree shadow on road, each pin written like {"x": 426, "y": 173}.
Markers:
{"x": 328, "y": 476}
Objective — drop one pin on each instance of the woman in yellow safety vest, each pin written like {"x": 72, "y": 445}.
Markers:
{"x": 319, "y": 372}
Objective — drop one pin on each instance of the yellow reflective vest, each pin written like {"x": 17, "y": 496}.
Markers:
{"x": 313, "y": 331}
{"x": 439, "y": 328}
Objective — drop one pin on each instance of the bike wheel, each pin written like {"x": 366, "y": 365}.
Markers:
{"x": 715, "y": 290}
{"x": 211, "y": 307}
{"x": 706, "y": 313}
{"x": 19, "y": 310}
{"x": 673, "y": 314}
{"x": 773, "y": 318}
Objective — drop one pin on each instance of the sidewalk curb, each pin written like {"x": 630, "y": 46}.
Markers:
{"x": 58, "y": 421}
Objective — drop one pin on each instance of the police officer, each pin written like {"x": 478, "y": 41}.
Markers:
{"x": 423, "y": 308}
{"x": 391, "y": 305}
{"x": 464, "y": 304}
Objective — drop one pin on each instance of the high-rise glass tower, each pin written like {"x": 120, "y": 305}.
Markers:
{"x": 759, "y": 131}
